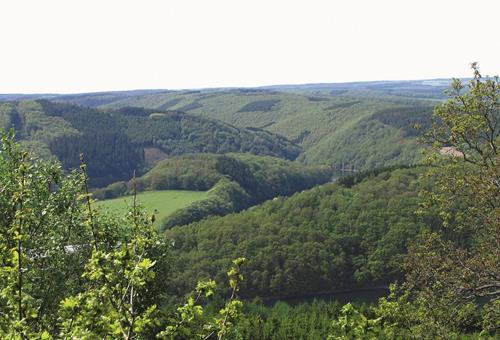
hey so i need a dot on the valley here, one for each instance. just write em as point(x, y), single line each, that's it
point(250, 170)
point(240, 174)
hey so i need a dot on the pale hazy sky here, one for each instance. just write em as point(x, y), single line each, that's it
point(86, 45)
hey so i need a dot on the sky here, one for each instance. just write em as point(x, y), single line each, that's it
point(69, 46)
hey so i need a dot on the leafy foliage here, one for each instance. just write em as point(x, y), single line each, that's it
point(69, 271)
point(114, 140)
point(39, 210)
point(283, 321)
point(178, 133)
point(326, 238)
point(366, 128)
point(454, 272)
point(236, 182)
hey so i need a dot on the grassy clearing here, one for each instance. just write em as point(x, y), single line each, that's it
point(164, 202)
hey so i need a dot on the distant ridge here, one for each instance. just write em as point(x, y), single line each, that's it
point(432, 82)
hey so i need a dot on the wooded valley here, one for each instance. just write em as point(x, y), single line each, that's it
point(309, 190)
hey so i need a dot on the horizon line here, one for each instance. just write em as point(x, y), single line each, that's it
point(229, 87)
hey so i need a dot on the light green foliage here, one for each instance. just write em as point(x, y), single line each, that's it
point(187, 172)
point(162, 203)
point(177, 133)
point(114, 140)
point(68, 271)
point(225, 197)
point(459, 265)
point(115, 280)
point(38, 209)
point(451, 286)
point(351, 324)
point(190, 322)
point(39, 126)
point(33, 126)
point(357, 130)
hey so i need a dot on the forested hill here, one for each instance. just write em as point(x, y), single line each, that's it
point(363, 125)
point(359, 125)
point(327, 238)
point(114, 141)
point(234, 182)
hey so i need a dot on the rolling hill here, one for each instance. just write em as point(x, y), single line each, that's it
point(354, 125)
point(358, 125)
point(342, 131)
point(234, 182)
point(330, 237)
point(114, 141)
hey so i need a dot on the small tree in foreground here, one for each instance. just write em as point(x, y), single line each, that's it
point(453, 274)
point(70, 271)
point(454, 270)
point(452, 282)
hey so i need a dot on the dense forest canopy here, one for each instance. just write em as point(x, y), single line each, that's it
point(351, 125)
point(359, 125)
point(351, 129)
point(113, 141)
point(71, 271)
point(235, 182)
point(327, 238)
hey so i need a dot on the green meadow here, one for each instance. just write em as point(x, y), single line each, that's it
point(164, 202)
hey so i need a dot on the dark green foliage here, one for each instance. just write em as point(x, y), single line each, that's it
point(10, 117)
point(317, 99)
point(113, 190)
point(267, 177)
point(260, 105)
point(113, 141)
point(323, 239)
point(169, 104)
point(188, 172)
point(362, 129)
point(225, 197)
point(368, 144)
point(110, 152)
point(282, 321)
point(111, 155)
point(342, 105)
point(407, 118)
point(237, 181)
point(136, 111)
point(370, 125)
point(253, 181)
point(177, 133)
point(65, 131)
point(190, 106)
point(357, 177)
point(38, 208)
point(68, 271)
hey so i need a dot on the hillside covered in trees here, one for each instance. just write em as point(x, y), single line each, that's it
point(431, 232)
point(360, 125)
point(235, 182)
point(353, 125)
point(328, 238)
point(113, 141)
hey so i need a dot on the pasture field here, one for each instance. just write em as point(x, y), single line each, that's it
point(164, 202)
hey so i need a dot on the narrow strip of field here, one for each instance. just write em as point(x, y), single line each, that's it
point(161, 202)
